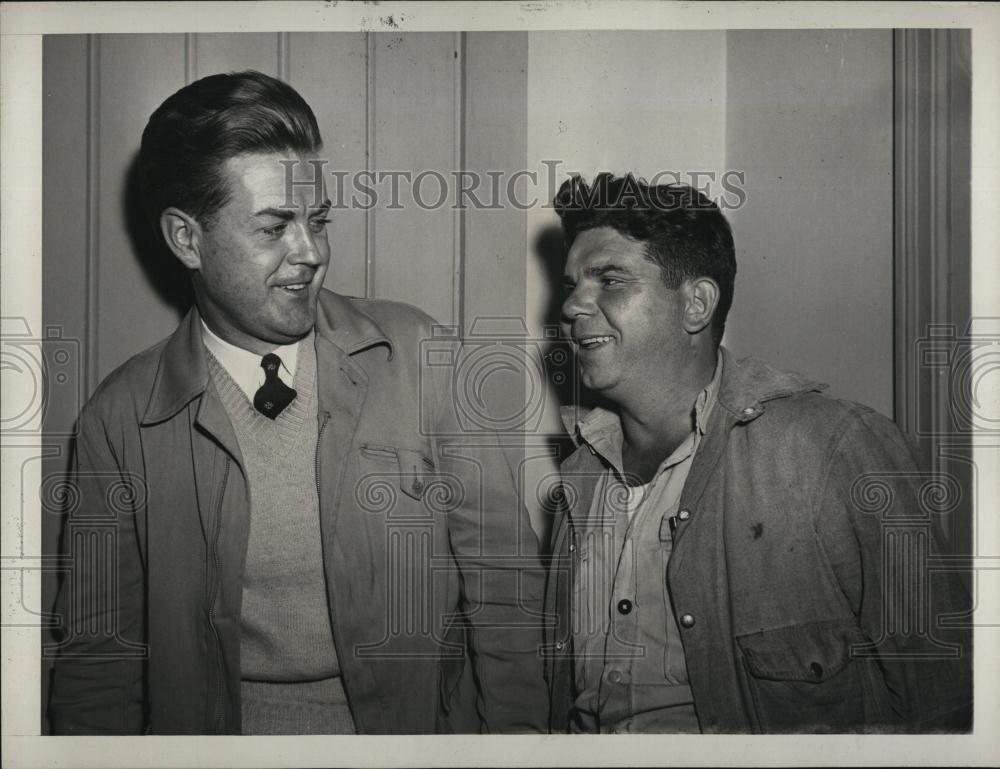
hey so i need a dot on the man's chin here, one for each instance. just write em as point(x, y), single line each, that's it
point(593, 379)
point(295, 325)
point(295, 334)
point(290, 333)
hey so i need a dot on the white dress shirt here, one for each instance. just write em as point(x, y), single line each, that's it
point(244, 366)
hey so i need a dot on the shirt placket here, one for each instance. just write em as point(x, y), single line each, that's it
point(622, 645)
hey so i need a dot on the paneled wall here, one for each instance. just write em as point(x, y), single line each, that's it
point(809, 121)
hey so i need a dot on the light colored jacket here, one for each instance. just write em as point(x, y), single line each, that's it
point(795, 530)
point(423, 539)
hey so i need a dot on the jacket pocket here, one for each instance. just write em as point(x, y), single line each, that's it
point(802, 678)
point(411, 471)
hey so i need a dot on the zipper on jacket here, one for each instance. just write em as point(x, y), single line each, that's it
point(219, 712)
point(319, 440)
point(319, 504)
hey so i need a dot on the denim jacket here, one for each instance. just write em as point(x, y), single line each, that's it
point(789, 573)
point(430, 561)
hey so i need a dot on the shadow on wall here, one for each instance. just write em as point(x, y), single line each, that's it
point(165, 274)
point(550, 249)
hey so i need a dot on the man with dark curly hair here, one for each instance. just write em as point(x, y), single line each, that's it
point(713, 569)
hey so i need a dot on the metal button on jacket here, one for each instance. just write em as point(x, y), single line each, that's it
point(615, 676)
point(687, 620)
point(684, 514)
point(624, 606)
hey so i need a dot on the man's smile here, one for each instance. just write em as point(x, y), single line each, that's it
point(593, 342)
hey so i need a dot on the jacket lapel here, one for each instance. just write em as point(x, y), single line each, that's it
point(182, 374)
point(181, 377)
point(226, 525)
point(580, 474)
point(342, 388)
point(704, 463)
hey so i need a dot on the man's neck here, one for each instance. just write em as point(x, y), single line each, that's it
point(660, 417)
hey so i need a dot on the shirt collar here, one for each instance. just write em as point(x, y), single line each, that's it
point(708, 397)
point(244, 366)
point(601, 428)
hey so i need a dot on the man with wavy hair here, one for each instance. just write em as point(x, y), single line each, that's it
point(713, 570)
point(313, 545)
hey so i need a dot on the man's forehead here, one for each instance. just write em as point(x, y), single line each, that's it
point(276, 180)
point(604, 246)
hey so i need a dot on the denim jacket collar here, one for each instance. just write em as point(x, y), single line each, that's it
point(183, 373)
point(747, 384)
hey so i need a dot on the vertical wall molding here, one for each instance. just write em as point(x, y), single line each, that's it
point(92, 271)
point(190, 58)
point(931, 227)
point(932, 245)
point(370, 162)
point(284, 56)
point(458, 212)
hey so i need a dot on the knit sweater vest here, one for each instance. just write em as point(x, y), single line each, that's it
point(286, 635)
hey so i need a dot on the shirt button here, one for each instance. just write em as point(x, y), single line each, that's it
point(687, 620)
point(624, 606)
point(684, 514)
point(615, 676)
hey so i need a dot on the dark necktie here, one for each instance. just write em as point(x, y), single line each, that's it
point(274, 395)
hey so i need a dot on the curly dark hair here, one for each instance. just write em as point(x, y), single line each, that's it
point(684, 232)
point(196, 130)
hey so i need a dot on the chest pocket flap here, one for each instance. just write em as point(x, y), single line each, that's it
point(415, 472)
point(814, 651)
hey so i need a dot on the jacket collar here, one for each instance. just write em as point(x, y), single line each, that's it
point(747, 384)
point(183, 372)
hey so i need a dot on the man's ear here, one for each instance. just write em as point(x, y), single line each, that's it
point(701, 297)
point(183, 235)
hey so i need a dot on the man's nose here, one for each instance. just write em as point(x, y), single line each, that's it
point(578, 302)
point(307, 248)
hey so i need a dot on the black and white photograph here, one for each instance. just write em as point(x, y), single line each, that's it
point(478, 377)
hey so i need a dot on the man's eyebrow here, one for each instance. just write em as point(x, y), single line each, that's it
point(290, 213)
point(602, 269)
point(278, 213)
point(598, 270)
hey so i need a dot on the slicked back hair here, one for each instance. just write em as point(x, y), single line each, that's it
point(189, 138)
point(684, 232)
